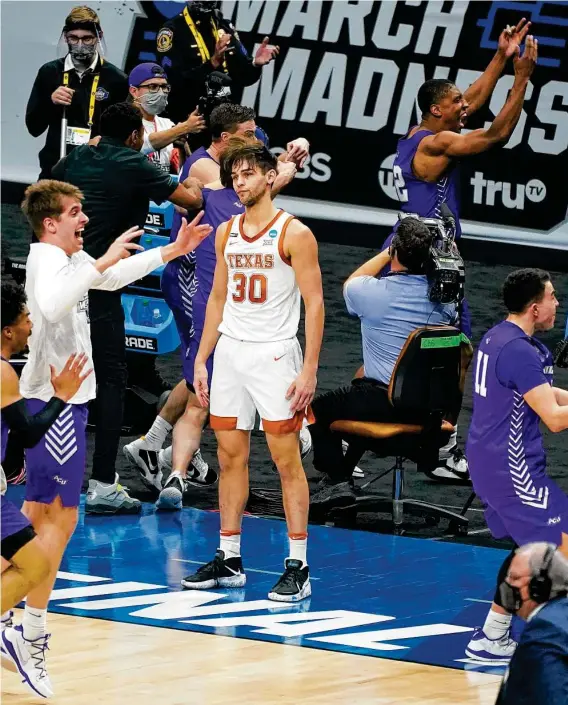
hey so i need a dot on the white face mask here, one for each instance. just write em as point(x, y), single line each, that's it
point(154, 103)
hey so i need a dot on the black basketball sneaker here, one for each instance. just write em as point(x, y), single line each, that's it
point(294, 585)
point(220, 572)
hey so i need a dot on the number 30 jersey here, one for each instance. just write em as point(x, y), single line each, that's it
point(423, 197)
point(504, 448)
point(263, 298)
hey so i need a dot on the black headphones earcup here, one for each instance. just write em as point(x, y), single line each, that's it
point(540, 587)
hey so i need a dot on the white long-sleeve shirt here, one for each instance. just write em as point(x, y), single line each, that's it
point(57, 287)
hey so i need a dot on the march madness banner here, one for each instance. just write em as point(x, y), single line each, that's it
point(347, 77)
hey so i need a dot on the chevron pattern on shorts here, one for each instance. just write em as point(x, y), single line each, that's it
point(61, 438)
point(187, 286)
point(522, 482)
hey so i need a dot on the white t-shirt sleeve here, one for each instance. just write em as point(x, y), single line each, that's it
point(161, 124)
point(129, 270)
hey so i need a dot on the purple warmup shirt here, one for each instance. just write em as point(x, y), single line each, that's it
point(504, 448)
point(422, 197)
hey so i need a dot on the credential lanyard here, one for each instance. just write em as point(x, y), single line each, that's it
point(92, 99)
point(201, 45)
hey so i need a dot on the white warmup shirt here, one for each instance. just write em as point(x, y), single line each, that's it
point(57, 287)
point(161, 157)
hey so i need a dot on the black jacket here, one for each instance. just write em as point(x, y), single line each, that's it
point(183, 63)
point(42, 113)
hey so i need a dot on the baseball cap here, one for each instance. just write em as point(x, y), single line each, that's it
point(145, 72)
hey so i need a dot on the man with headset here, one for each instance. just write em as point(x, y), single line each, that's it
point(80, 86)
point(535, 589)
point(389, 308)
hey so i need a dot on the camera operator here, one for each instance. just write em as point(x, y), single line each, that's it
point(80, 87)
point(389, 308)
point(535, 589)
point(198, 42)
point(118, 183)
point(149, 90)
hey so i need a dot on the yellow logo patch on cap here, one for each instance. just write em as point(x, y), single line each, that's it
point(165, 39)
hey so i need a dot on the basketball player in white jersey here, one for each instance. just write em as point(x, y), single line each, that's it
point(266, 261)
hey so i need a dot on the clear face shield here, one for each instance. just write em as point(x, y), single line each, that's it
point(82, 48)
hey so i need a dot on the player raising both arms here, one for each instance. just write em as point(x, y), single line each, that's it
point(266, 260)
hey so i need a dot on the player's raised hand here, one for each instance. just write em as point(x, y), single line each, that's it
point(191, 235)
point(512, 37)
point(298, 151)
point(524, 65)
point(201, 383)
point(301, 391)
point(265, 53)
point(120, 248)
point(66, 384)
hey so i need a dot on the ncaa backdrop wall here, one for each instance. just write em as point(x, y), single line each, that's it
point(347, 78)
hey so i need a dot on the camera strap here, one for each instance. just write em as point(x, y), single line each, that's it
point(201, 45)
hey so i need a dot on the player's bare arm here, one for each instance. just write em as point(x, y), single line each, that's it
point(561, 396)
point(448, 145)
point(301, 247)
point(205, 170)
point(543, 401)
point(213, 317)
point(188, 196)
point(508, 45)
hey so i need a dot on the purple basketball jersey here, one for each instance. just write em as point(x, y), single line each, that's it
point(504, 448)
point(422, 197)
point(200, 153)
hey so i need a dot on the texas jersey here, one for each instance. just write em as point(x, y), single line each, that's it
point(263, 298)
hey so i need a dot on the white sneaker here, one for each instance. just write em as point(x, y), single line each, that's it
point(171, 497)
point(483, 649)
point(29, 658)
point(6, 622)
point(305, 442)
point(145, 459)
point(199, 473)
point(110, 499)
point(357, 472)
point(165, 461)
point(453, 468)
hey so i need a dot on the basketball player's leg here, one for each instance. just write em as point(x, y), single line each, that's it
point(232, 418)
point(24, 562)
point(53, 491)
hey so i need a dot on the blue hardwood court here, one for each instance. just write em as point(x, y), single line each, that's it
point(414, 601)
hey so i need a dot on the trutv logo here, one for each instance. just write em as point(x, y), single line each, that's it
point(487, 191)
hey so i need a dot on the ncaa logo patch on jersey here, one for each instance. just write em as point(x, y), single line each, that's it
point(273, 233)
point(165, 39)
point(101, 94)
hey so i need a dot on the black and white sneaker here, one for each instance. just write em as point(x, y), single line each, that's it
point(453, 469)
point(294, 585)
point(145, 459)
point(220, 572)
point(199, 473)
point(171, 497)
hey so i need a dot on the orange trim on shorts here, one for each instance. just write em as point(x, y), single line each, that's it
point(264, 230)
point(310, 417)
point(278, 428)
point(223, 423)
point(283, 257)
point(227, 233)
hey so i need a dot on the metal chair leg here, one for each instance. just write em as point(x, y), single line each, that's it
point(398, 492)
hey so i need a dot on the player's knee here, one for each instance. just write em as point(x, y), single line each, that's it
point(289, 465)
point(32, 562)
point(231, 459)
point(196, 415)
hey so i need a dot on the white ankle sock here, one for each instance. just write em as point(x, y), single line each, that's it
point(497, 625)
point(34, 623)
point(157, 434)
point(299, 549)
point(230, 545)
point(167, 456)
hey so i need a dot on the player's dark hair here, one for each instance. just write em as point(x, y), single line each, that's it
point(411, 244)
point(252, 152)
point(234, 145)
point(432, 92)
point(13, 302)
point(227, 117)
point(524, 287)
point(120, 120)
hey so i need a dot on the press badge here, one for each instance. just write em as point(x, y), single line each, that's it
point(78, 135)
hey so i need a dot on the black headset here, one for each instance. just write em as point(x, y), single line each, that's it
point(540, 586)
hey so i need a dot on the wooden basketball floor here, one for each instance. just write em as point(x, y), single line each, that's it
point(387, 622)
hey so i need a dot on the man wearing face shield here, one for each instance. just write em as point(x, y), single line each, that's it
point(78, 88)
point(199, 41)
point(535, 589)
point(149, 90)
